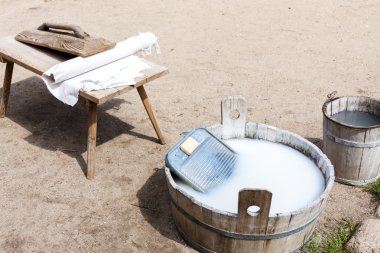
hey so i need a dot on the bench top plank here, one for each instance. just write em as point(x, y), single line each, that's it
point(33, 58)
point(101, 96)
point(39, 60)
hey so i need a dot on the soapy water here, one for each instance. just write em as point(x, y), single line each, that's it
point(355, 118)
point(294, 180)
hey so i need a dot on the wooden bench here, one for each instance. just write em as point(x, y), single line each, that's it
point(39, 60)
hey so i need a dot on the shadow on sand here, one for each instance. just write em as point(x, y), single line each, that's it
point(316, 141)
point(154, 204)
point(56, 126)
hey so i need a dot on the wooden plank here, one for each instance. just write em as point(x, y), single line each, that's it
point(272, 134)
point(326, 148)
point(335, 106)
point(363, 104)
point(324, 166)
point(6, 88)
point(102, 96)
point(374, 107)
point(305, 215)
point(328, 109)
point(204, 236)
point(149, 110)
point(195, 233)
point(372, 155)
point(223, 221)
point(275, 245)
point(261, 132)
point(278, 223)
point(185, 226)
point(33, 58)
point(216, 130)
point(293, 241)
point(354, 104)
point(234, 113)
point(251, 130)
point(197, 209)
point(343, 104)
point(296, 240)
point(370, 165)
point(91, 140)
point(198, 235)
point(171, 184)
point(248, 246)
point(284, 137)
point(185, 201)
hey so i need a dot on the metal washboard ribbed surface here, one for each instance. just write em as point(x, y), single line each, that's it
point(209, 165)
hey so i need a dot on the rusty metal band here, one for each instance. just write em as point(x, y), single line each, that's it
point(349, 143)
point(239, 235)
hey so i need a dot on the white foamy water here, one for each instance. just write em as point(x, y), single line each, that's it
point(293, 178)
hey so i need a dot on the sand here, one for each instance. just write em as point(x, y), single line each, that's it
point(284, 57)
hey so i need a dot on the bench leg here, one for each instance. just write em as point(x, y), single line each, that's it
point(6, 88)
point(149, 110)
point(91, 140)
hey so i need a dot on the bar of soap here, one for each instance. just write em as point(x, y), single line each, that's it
point(189, 145)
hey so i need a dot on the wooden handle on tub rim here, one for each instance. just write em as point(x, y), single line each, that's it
point(253, 222)
point(234, 113)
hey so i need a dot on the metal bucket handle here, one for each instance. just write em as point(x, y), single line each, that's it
point(234, 113)
point(257, 221)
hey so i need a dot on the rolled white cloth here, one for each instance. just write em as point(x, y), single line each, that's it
point(111, 68)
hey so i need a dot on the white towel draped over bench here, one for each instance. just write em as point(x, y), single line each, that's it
point(112, 68)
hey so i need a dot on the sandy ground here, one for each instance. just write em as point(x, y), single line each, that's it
point(283, 56)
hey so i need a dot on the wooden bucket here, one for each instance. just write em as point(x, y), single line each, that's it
point(211, 230)
point(353, 150)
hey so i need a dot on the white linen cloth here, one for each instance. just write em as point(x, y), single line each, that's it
point(112, 68)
